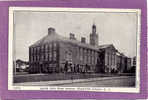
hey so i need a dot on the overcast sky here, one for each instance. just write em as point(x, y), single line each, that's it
point(118, 29)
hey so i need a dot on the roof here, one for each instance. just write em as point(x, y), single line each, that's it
point(56, 37)
point(107, 46)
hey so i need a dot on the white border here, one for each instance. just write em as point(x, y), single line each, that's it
point(97, 89)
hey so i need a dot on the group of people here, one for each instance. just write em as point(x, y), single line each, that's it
point(76, 68)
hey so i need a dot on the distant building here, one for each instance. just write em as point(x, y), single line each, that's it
point(133, 65)
point(134, 61)
point(20, 66)
point(55, 53)
point(127, 64)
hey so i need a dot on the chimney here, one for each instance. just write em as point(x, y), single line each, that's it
point(51, 31)
point(72, 36)
point(83, 40)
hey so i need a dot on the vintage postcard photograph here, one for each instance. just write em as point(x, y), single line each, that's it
point(74, 49)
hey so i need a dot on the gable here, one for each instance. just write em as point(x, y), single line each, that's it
point(107, 47)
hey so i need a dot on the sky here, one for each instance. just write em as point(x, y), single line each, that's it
point(118, 29)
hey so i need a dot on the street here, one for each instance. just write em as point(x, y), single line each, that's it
point(118, 81)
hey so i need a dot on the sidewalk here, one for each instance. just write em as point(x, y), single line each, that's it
point(60, 82)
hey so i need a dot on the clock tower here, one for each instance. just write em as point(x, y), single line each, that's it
point(94, 36)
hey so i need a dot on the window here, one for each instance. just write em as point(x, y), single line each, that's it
point(78, 53)
point(50, 47)
point(31, 58)
point(46, 47)
point(90, 59)
point(38, 50)
point(35, 58)
point(50, 55)
point(54, 55)
point(115, 58)
point(68, 55)
point(38, 58)
point(81, 58)
point(35, 50)
point(107, 58)
point(32, 51)
point(88, 56)
point(46, 57)
point(95, 57)
point(42, 57)
point(54, 46)
point(111, 59)
point(42, 48)
point(84, 55)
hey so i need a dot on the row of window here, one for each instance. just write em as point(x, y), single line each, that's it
point(43, 48)
point(88, 52)
point(87, 56)
point(51, 56)
point(89, 60)
point(45, 65)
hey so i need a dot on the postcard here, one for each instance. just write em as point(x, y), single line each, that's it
point(73, 49)
point(80, 49)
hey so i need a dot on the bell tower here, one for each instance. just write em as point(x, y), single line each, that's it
point(94, 36)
